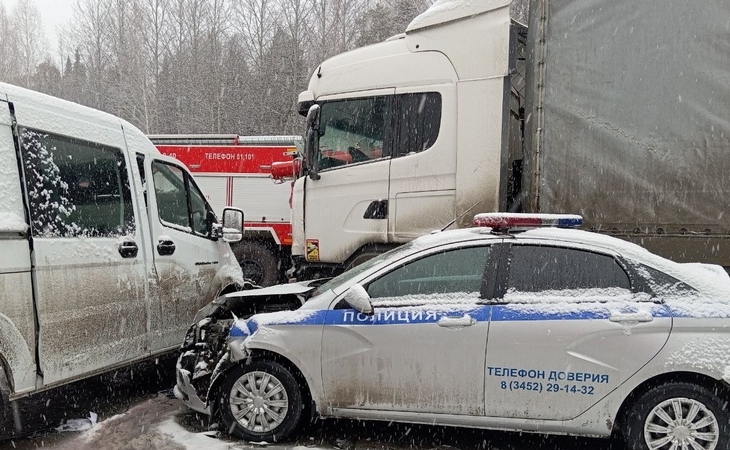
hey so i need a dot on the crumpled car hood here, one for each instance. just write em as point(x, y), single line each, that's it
point(228, 302)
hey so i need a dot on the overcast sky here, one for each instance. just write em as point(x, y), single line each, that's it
point(55, 14)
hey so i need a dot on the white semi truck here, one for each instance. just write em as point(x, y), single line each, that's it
point(617, 111)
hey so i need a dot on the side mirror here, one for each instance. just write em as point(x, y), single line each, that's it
point(232, 224)
point(358, 298)
point(312, 141)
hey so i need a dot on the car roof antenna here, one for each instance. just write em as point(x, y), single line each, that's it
point(461, 215)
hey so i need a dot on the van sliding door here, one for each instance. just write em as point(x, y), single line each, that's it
point(90, 279)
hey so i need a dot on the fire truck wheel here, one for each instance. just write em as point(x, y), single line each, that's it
point(259, 263)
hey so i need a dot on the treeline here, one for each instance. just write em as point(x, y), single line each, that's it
point(193, 66)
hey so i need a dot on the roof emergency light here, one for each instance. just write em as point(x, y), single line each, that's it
point(507, 221)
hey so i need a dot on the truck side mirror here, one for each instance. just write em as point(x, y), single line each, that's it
point(312, 142)
point(232, 224)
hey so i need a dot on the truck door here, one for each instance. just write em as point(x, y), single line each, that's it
point(90, 280)
point(186, 257)
point(347, 206)
point(559, 334)
point(423, 165)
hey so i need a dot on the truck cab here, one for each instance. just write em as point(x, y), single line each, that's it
point(385, 122)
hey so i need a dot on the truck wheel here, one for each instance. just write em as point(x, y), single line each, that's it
point(677, 415)
point(258, 262)
point(260, 401)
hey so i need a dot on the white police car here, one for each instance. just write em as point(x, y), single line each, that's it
point(547, 330)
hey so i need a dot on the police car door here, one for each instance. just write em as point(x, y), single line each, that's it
point(423, 349)
point(566, 329)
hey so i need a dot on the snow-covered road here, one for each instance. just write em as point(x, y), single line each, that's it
point(134, 412)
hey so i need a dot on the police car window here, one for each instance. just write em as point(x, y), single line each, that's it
point(75, 187)
point(663, 284)
point(430, 279)
point(541, 268)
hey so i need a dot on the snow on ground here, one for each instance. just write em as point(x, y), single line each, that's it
point(158, 423)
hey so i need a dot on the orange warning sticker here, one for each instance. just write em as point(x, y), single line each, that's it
point(312, 250)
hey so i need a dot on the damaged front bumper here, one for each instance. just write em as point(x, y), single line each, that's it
point(185, 391)
point(205, 350)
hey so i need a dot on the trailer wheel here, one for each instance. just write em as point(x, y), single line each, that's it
point(259, 263)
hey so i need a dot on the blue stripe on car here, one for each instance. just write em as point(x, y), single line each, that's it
point(424, 315)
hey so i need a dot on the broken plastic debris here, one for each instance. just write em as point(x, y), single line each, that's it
point(79, 424)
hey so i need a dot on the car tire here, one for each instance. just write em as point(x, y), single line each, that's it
point(258, 262)
point(253, 415)
point(677, 413)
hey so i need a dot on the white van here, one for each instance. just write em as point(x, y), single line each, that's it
point(107, 247)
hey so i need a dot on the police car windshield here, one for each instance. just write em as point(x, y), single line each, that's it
point(357, 270)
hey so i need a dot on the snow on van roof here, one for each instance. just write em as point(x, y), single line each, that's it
point(68, 108)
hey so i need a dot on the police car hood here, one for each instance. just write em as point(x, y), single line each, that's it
point(272, 294)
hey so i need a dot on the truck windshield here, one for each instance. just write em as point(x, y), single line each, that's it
point(351, 131)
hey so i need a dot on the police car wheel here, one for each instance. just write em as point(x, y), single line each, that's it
point(677, 416)
point(260, 401)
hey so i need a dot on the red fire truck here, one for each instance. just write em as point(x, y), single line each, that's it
point(235, 170)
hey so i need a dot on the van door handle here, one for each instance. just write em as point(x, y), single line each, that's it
point(128, 249)
point(165, 247)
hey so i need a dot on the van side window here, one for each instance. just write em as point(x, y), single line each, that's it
point(75, 187)
point(180, 204)
point(419, 120)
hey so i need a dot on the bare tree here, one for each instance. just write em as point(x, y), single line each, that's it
point(28, 29)
point(195, 66)
point(256, 27)
point(93, 22)
point(337, 24)
point(153, 24)
point(8, 47)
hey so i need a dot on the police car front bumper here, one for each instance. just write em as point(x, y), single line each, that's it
point(185, 391)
